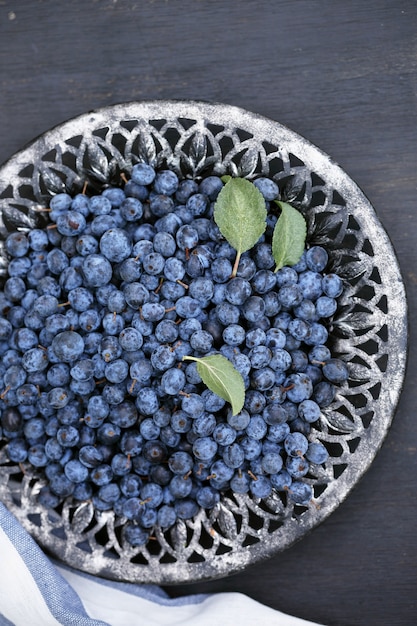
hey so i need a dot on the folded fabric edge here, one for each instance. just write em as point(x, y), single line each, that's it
point(47, 594)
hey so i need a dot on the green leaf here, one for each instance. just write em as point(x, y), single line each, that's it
point(222, 378)
point(288, 240)
point(240, 213)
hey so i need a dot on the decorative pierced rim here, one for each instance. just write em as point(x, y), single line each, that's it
point(369, 330)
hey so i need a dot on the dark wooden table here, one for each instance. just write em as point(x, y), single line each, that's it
point(343, 74)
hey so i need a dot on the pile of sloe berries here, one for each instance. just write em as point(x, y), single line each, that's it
point(97, 312)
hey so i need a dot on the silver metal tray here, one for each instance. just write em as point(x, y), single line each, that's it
point(369, 330)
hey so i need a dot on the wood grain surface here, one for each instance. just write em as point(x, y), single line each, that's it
point(344, 75)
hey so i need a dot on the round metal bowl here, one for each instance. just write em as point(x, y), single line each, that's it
point(369, 330)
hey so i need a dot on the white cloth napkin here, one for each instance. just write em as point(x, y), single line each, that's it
point(35, 591)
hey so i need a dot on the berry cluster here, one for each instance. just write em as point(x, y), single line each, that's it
point(98, 311)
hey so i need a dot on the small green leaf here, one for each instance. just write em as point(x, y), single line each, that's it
point(225, 178)
point(288, 240)
point(222, 378)
point(240, 213)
